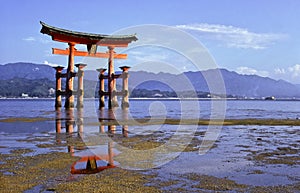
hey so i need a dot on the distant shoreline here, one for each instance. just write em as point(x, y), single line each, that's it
point(164, 99)
point(170, 121)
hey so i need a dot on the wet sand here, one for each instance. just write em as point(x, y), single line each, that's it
point(245, 158)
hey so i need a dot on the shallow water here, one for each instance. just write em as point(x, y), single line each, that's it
point(232, 156)
point(234, 109)
point(250, 155)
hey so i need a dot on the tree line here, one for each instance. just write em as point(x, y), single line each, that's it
point(45, 88)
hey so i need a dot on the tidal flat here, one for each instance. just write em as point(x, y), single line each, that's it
point(244, 158)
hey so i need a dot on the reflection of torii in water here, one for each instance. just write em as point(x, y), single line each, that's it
point(94, 162)
point(91, 163)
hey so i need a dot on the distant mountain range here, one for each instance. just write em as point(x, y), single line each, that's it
point(235, 84)
point(27, 71)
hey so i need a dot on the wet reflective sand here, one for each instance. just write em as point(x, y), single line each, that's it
point(72, 153)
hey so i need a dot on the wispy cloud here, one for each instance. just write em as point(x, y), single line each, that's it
point(291, 71)
point(234, 36)
point(30, 39)
point(49, 63)
point(295, 70)
point(279, 71)
point(251, 71)
point(38, 39)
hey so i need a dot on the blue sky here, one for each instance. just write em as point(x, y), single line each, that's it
point(250, 37)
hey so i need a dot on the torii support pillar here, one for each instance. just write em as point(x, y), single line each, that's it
point(80, 90)
point(125, 75)
point(101, 88)
point(58, 90)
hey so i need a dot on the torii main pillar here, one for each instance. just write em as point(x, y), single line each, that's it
point(69, 103)
point(112, 98)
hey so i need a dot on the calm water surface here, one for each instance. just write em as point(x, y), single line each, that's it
point(234, 109)
point(229, 158)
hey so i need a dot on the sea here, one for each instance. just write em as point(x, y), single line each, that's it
point(169, 108)
point(223, 152)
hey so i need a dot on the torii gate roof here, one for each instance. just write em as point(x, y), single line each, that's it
point(64, 35)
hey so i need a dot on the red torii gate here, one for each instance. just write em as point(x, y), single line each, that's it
point(91, 41)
